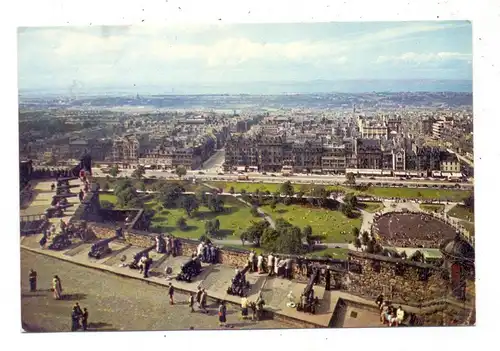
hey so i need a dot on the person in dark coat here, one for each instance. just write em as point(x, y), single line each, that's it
point(32, 279)
point(222, 313)
point(327, 280)
point(147, 266)
point(213, 254)
point(43, 240)
point(203, 301)
point(85, 318)
point(191, 301)
point(75, 319)
point(171, 293)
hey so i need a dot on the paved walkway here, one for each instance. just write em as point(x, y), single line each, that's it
point(215, 278)
point(114, 302)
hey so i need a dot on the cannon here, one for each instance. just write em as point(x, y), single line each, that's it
point(239, 284)
point(135, 260)
point(308, 301)
point(189, 270)
point(60, 242)
point(65, 181)
point(101, 248)
point(56, 211)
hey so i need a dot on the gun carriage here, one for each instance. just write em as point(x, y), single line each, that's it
point(101, 248)
point(239, 284)
point(56, 211)
point(137, 257)
point(60, 242)
point(189, 270)
point(308, 301)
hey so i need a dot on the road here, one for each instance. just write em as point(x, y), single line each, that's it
point(114, 303)
point(214, 163)
point(305, 179)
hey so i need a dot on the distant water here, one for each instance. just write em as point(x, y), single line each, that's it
point(270, 88)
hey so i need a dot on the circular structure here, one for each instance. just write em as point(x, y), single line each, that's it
point(407, 229)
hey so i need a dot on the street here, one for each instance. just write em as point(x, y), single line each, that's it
point(302, 178)
point(114, 303)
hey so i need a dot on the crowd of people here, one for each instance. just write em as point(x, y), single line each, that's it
point(207, 252)
point(79, 318)
point(390, 315)
point(272, 265)
point(412, 230)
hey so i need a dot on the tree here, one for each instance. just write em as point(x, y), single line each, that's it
point(287, 189)
point(365, 237)
point(139, 172)
point(169, 195)
point(243, 191)
point(231, 190)
point(215, 204)
point(254, 211)
point(255, 231)
point(355, 232)
point(181, 223)
point(320, 194)
point(347, 209)
point(350, 178)
point(126, 194)
point(105, 186)
point(469, 202)
point(189, 204)
point(142, 186)
point(180, 171)
point(209, 228)
point(307, 232)
point(269, 238)
point(287, 201)
point(273, 205)
point(216, 224)
point(351, 199)
point(114, 171)
point(202, 197)
point(357, 243)
point(300, 194)
point(290, 241)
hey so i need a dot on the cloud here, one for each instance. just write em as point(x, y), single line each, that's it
point(418, 58)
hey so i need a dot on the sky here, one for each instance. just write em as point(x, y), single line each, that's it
point(140, 56)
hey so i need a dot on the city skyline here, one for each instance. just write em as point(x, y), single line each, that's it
point(171, 57)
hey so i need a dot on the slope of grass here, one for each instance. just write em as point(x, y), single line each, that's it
point(432, 207)
point(371, 206)
point(462, 212)
point(331, 226)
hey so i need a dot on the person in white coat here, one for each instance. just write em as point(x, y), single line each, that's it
point(260, 263)
point(270, 264)
point(276, 265)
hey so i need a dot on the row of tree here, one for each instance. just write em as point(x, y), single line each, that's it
point(285, 238)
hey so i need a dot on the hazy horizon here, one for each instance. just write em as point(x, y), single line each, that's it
point(189, 58)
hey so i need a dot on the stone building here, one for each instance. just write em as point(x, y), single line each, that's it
point(126, 149)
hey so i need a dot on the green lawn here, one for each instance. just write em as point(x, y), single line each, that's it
point(432, 207)
point(325, 223)
point(233, 220)
point(469, 226)
point(383, 192)
point(108, 197)
point(462, 212)
point(371, 206)
point(334, 253)
point(150, 184)
point(425, 194)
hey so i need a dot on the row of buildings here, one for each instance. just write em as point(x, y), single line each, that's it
point(367, 143)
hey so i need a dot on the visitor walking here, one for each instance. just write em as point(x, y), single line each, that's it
point(32, 280)
point(270, 264)
point(85, 318)
point(57, 287)
point(147, 265)
point(222, 314)
point(244, 307)
point(171, 293)
point(191, 301)
point(203, 301)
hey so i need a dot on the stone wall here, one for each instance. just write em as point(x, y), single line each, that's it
point(101, 230)
point(400, 281)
